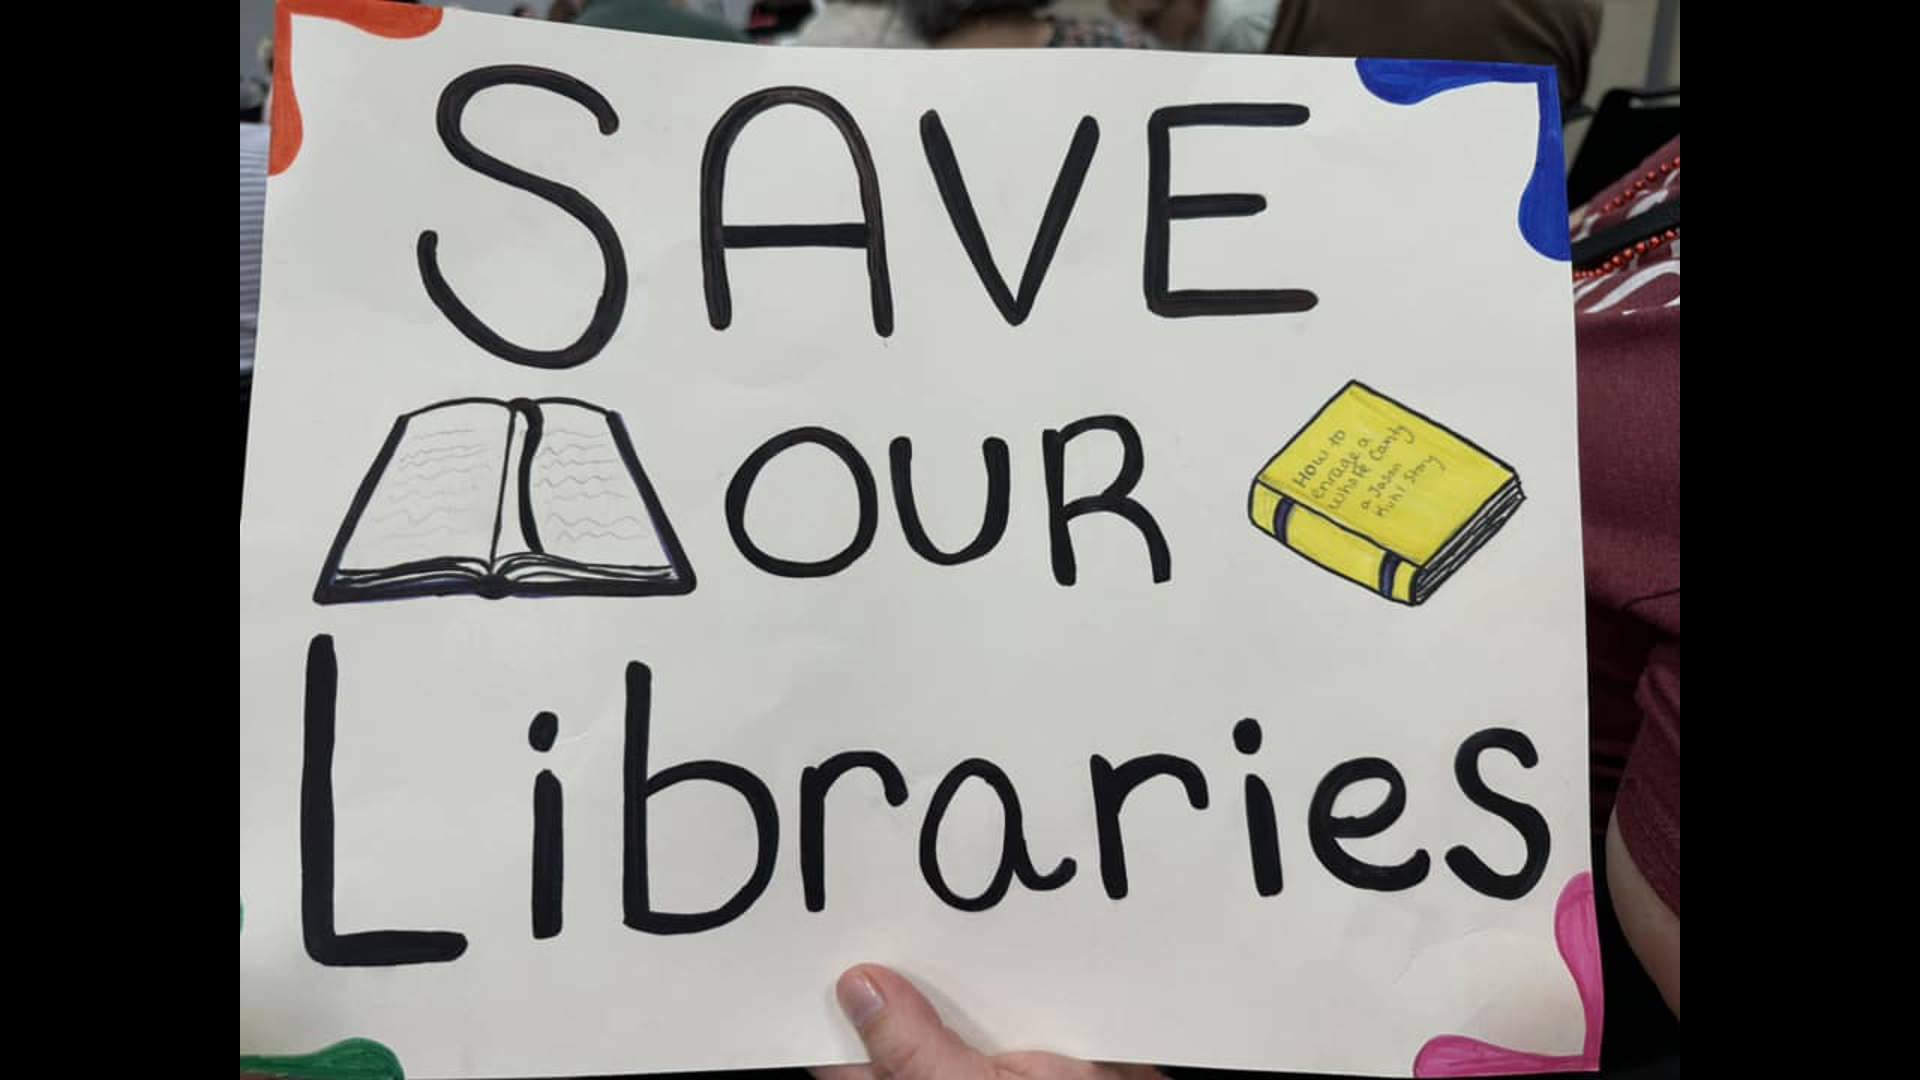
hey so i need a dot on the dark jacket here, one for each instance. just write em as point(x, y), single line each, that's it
point(655, 17)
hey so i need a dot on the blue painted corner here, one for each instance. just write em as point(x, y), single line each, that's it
point(1543, 205)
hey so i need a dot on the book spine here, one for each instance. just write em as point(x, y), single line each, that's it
point(1340, 550)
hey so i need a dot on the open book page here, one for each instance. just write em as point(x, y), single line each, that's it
point(511, 539)
point(437, 495)
point(585, 501)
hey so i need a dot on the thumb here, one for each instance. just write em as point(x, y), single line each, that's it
point(901, 1030)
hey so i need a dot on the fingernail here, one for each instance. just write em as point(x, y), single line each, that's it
point(859, 998)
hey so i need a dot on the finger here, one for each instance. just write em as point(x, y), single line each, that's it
point(1041, 1065)
point(901, 1029)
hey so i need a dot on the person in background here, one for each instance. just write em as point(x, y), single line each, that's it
point(254, 142)
point(1235, 26)
point(963, 24)
point(563, 11)
point(265, 52)
point(1626, 320)
point(860, 24)
point(1555, 33)
point(655, 17)
point(1004, 24)
point(523, 12)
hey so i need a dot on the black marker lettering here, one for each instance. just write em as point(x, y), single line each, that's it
point(1163, 209)
point(814, 785)
point(1326, 831)
point(1263, 837)
point(1115, 499)
point(742, 486)
point(966, 223)
point(1525, 820)
point(716, 236)
point(992, 526)
point(549, 837)
point(639, 787)
point(371, 948)
point(1014, 859)
point(1111, 787)
point(613, 293)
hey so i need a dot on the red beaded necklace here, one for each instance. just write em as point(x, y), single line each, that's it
point(1639, 185)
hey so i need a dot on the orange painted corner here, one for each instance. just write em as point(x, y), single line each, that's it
point(373, 16)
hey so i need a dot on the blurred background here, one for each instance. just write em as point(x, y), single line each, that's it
point(1636, 48)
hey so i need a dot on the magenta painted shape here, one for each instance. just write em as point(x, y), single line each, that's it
point(1576, 931)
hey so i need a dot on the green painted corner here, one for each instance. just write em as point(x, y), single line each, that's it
point(353, 1059)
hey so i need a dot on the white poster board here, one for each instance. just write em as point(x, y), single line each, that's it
point(559, 482)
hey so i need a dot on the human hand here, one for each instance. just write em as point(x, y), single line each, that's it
point(905, 1040)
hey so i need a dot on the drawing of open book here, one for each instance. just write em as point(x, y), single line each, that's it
point(505, 498)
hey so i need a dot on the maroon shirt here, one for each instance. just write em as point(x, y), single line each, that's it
point(1627, 328)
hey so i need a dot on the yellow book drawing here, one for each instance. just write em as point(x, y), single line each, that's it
point(1382, 495)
